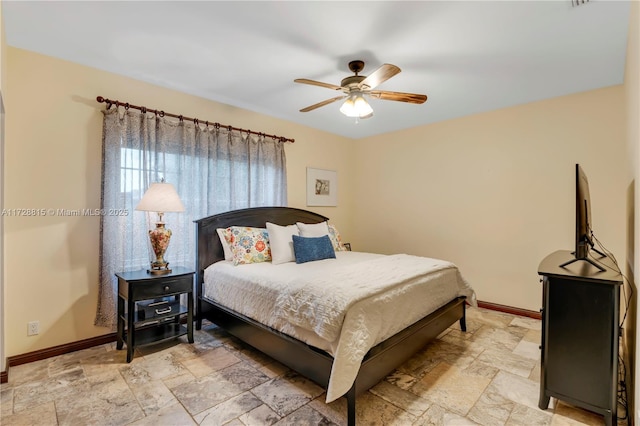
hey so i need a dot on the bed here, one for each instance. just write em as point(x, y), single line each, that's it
point(317, 351)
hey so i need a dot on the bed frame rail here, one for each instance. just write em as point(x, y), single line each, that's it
point(380, 361)
point(306, 360)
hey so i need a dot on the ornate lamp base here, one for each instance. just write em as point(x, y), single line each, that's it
point(159, 238)
point(159, 271)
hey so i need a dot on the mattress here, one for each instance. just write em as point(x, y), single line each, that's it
point(344, 306)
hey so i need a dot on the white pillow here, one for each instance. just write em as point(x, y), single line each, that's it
point(313, 229)
point(228, 254)
point(281, 242)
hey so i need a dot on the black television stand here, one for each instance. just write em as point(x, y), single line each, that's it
point(580, 334)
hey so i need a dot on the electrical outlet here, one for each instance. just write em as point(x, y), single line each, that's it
point(33, 328)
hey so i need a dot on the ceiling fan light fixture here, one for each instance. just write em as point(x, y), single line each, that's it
point(356, 106)
point(348, 107)
point(355, 87)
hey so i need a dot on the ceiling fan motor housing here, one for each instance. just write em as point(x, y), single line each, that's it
point(352, 81)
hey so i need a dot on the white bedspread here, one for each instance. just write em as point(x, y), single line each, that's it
point(319, 302)
point(345, 305)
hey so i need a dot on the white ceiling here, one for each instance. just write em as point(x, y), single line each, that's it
point(467, 56)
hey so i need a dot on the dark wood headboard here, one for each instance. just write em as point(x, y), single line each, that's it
point(208, 246)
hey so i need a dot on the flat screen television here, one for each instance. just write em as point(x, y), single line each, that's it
point(583, 234)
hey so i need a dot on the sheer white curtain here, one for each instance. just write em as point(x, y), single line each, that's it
point(213, 169)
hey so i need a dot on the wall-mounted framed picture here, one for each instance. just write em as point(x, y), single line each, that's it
point(322, 187)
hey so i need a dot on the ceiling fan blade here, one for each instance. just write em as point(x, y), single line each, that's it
point(412, 98)
point(321, 104)
point(379, 76)
point(317, 83)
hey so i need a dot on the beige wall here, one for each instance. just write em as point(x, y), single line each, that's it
point(632, 92)
point(494, 192)
point(54, 155)
point(3, 49)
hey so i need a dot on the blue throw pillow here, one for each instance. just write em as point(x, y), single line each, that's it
point(308, 249)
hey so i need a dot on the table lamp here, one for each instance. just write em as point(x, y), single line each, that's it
point(161, 197)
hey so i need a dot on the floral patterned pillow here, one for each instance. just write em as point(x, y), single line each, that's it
point(248, 245)
point(334, 235)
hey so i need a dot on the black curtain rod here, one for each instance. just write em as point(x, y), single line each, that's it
point(144, 109)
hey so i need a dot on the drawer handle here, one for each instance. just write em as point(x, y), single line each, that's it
point(166, 288)
point(163, 311)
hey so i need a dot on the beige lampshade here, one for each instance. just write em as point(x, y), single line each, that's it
point(160, 197)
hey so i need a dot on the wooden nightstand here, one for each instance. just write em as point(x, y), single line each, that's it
point(156, 315)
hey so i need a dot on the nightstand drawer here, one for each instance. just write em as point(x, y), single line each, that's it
point(162, 287)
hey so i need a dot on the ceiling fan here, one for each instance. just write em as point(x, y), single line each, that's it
point(355, 87)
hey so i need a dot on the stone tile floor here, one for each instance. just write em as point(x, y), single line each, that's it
point(486, 376)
